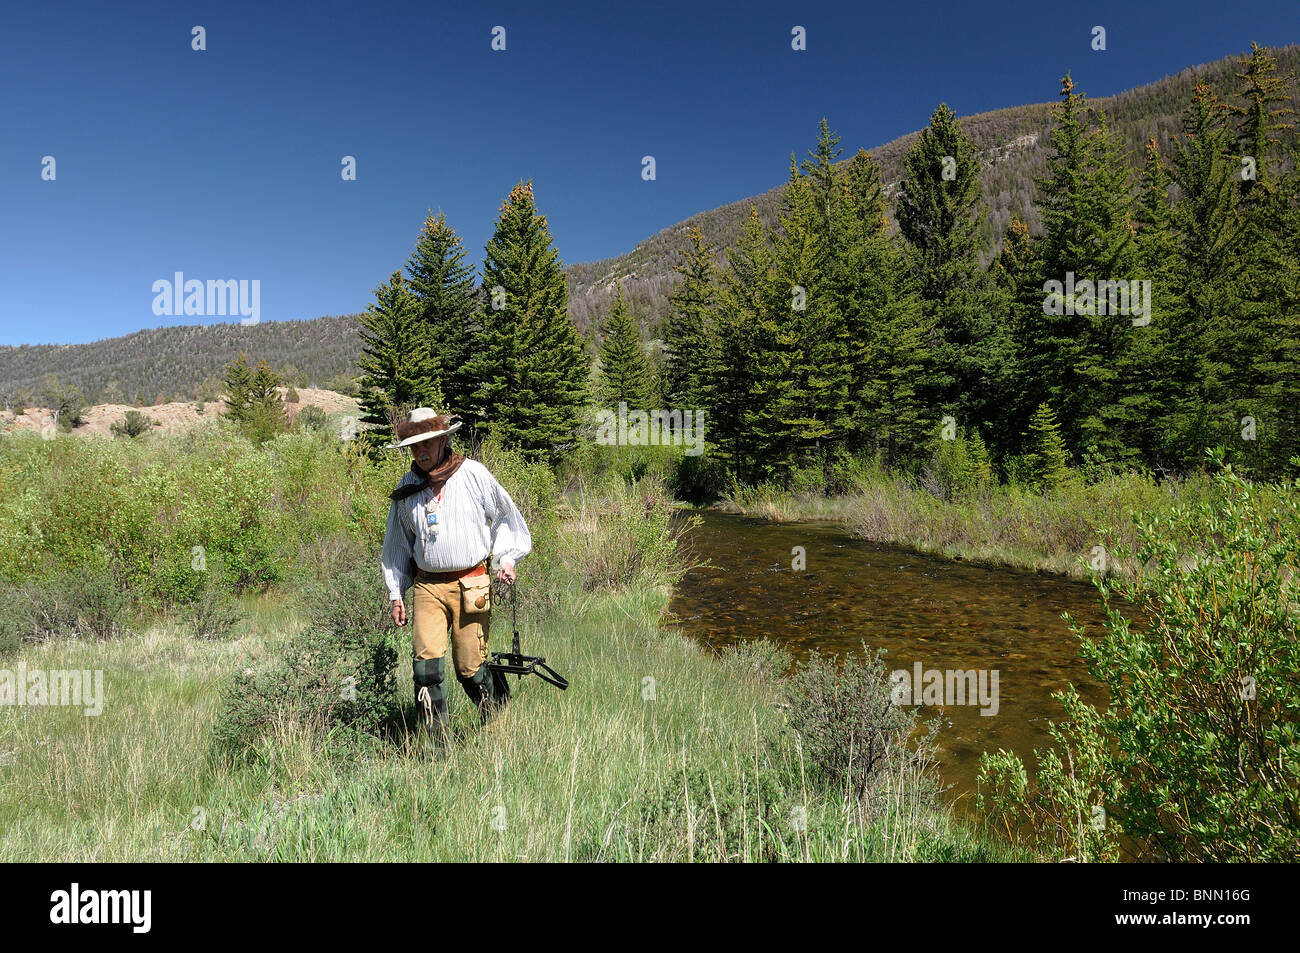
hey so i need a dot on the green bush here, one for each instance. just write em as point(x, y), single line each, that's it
point(214, 613)
point(850, 729)
point(339, 673)
point(623, 535)
point(311, 418)
point(90, 604)
point(959, 468)
point(698, 479)
point(132, 425)
point(1196, 757)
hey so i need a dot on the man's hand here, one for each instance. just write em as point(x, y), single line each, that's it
point(506, 574)
point(399, 612)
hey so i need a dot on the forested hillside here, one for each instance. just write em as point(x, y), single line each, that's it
point(181, 362)
point(1012, 145)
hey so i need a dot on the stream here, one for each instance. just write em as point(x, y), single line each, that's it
point(942, 614)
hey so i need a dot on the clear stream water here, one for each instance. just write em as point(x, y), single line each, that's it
point(927, 609)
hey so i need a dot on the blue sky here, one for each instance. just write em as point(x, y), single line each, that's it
point(225, 164)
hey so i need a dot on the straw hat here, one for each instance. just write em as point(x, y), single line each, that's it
point(422, 424)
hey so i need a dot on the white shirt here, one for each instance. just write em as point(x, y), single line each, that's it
point(476, 518)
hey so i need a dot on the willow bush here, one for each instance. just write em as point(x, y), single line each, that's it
point(1197, 755)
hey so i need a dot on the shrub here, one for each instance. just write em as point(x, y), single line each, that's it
point(340, 672)
point(214, 613)
point(312, 417)
point(698, 479)
point(1197, 755)
point(624, 536)
point(90, 603)
point(132, 425)
point(850, 728)
point(959, 468)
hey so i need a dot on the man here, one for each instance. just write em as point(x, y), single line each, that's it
point(448, 516)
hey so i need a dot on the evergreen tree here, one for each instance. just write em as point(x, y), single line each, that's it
point(940, 216)
point(442, 286)
point(890, 361)
point(810, 359)
point(1267, 104)
point(264, 415)
point(1208, 345)
point(625, 373)
point(737, 399)
point(398, 371)
point(529, 367)
point(1071, 350)
point(1045, 460)
point(237, 386)
point(687, 330)
point(1278, 363)
point(938, 207)
point(1149, 400)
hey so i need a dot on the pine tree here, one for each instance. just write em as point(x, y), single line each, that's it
point(1208, 346)
point(939, 207)
point(940, 216)
point(811, 354)
point(1070, 351)
point(237, 386)
point(1278, 364)
point(625, 373)
point(1262, 330)
point(1149, 399)
point(737, 399)
point(398, 370)
point(529, 367)
point(1046, 458)
point(687, 330)
point(1016, 274)
point(442, 286)
point(1267, 104)
point(890, 361)
point(264, 416)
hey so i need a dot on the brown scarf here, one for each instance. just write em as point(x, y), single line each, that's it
point(433, 480)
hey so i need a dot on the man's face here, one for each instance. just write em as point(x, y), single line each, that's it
point(427, 453)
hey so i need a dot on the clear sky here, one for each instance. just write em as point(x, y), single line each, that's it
point(225, 163)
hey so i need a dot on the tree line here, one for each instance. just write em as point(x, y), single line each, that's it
point(842, 329)
point(830, 332)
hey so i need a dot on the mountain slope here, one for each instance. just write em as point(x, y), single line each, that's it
point(176, 360)
point(1013, 145)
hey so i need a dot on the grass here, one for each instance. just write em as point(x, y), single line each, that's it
point(1001, 526)
point(700, 768)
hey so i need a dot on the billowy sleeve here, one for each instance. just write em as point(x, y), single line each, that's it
point(511, 540)
point(396, 558)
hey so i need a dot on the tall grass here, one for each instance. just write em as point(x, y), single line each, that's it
point(1004, 524)
point(699, 768)
point(659, 751)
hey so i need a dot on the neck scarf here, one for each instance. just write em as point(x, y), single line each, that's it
point(434, 479)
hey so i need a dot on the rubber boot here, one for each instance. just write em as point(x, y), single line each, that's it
point(488, 690)
point(431, 700)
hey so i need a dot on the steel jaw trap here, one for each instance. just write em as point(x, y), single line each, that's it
point(516, 663)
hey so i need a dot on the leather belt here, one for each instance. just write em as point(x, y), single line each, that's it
point(451, 575)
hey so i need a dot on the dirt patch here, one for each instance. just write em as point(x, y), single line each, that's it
point(174, 417)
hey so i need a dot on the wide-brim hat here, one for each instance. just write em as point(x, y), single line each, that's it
point(422, 423)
